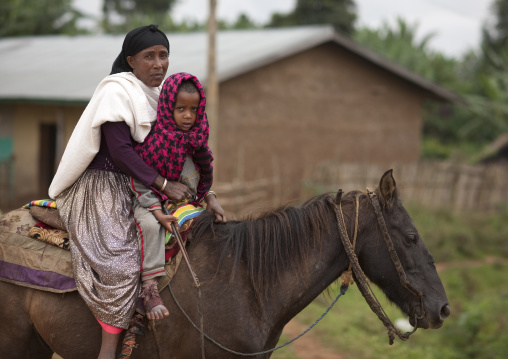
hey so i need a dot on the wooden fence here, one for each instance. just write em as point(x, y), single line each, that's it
point(433, 184)
point(239, 198)
point(429, 183)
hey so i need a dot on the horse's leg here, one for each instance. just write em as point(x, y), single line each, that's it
point(38, 348)
point(16, 327)
point(66, 324)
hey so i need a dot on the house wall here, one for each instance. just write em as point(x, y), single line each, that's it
point(321, 104)
point(26, 121)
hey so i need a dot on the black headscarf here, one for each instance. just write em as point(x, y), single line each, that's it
point(135, 41)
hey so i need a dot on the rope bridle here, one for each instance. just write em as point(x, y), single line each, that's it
point(354, 267)
point(361, 279)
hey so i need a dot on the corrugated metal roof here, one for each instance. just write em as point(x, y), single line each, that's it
point(65, 68)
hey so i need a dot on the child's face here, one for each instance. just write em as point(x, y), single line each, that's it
point(186, 107)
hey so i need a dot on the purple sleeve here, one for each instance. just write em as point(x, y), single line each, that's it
point(121, 149)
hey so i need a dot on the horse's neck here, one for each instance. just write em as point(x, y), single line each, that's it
point(296, 291)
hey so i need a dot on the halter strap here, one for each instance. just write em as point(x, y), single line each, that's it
point(361, 278)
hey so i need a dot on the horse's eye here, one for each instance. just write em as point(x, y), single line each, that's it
point(412, 238)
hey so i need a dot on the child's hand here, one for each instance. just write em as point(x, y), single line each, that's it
point(212, 205)
point(165, 219)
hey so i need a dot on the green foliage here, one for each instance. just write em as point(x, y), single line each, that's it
point(464, 152)
point(495, 32)
point(339, 13)
point(132, 13)
point(166, 23)
point(38, 17)
point(434, 149)
point(448, 126)
point(490, 108)
point(243, 22)
point(400, 45)
point(453, 235)
point(484, 78)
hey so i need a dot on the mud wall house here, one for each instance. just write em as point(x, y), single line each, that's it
point(289, 99)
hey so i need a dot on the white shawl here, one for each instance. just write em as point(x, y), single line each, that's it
point(119, 97)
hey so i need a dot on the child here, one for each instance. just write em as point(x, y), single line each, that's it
point(177, 147)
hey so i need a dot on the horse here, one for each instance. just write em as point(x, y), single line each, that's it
point(255, 275)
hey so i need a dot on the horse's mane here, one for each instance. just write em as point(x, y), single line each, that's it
point(276, 240)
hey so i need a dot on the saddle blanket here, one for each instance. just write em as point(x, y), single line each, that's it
point(29, 262)
point(37, 264)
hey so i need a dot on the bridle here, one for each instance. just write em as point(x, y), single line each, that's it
point(361, 279)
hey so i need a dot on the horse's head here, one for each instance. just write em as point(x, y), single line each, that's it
point(416, 263)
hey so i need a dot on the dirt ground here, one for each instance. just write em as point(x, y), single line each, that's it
point(308, 346)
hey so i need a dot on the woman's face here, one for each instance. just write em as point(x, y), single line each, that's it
point(150, 65)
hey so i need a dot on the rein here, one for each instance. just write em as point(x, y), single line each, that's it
point(363, 284)
point(343, 289)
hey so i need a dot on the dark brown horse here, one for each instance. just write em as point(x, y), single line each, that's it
point(256, 275)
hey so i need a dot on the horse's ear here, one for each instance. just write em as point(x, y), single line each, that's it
point(387, 189)
point(338, 197)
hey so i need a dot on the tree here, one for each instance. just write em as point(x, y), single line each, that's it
point(495, 32)
point(243, 22)
point(38, 17)
point(445, 126)
point(400, 44)
point(339, 13)
point(133, 13)
point(488, 99)
point(490, 110)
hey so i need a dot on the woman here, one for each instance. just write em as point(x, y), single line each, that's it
point(91, 186)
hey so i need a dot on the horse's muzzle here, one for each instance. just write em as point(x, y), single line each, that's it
point(433, 320)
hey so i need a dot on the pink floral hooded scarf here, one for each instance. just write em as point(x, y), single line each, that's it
point(167, 146)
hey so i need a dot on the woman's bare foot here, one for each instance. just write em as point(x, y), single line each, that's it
point(154, 307)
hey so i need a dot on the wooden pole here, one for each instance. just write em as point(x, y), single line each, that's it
point(212, 85)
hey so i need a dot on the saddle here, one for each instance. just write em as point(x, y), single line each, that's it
point(29, 262)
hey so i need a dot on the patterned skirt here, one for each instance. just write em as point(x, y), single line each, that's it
point(104, 246)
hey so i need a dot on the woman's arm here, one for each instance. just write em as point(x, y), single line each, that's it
point(121, 150)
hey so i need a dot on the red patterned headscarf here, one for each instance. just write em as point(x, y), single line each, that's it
point(167, 146)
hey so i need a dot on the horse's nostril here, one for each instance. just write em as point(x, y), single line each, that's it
point(445, 311)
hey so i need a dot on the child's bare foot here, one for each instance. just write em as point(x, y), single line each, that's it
point(157, 312)
point(154, 307)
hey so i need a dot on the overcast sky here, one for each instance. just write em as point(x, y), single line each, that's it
point(456, 23)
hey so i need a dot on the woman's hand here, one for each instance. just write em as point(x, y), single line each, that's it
point(175, 191)
point(212, 205)
point(165, 219)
